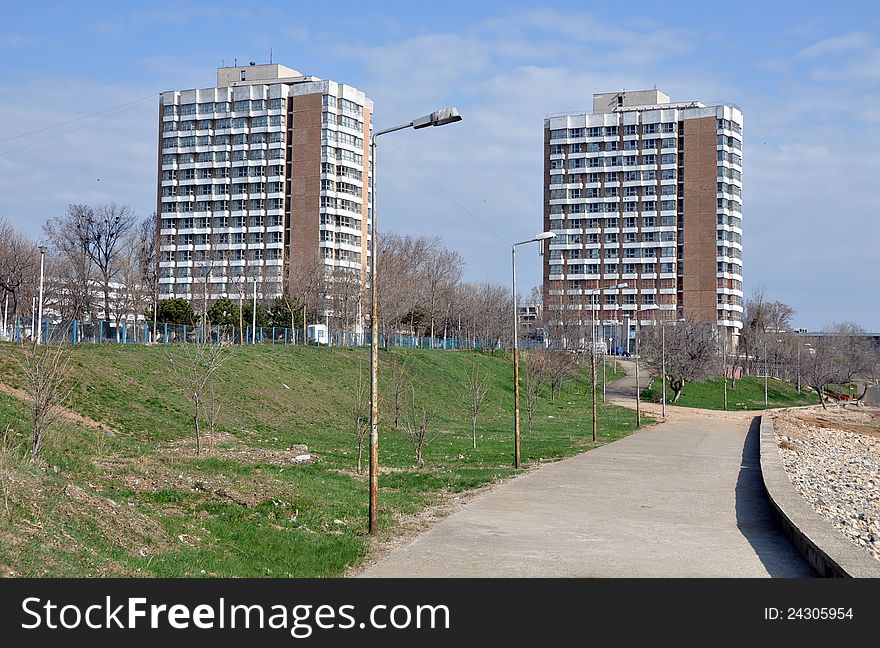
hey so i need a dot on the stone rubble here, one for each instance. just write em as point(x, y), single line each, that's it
point(833, 459)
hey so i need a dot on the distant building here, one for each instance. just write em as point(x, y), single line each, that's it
point(646, 192)
point(530, 319)
point(258, 177)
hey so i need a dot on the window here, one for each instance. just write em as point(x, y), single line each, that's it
point(630, 129)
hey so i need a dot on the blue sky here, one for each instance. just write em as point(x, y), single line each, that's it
point(806, 75)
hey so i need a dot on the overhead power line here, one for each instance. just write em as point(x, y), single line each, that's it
point(95, 117)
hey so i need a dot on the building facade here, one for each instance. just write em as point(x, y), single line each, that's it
point(260, 177)
point(646, 193)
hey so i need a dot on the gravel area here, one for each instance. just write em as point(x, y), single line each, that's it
point(833, 459)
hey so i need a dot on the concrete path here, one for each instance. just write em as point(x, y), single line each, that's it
point(682, 498)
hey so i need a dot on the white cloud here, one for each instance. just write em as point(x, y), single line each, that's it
point(852, 41)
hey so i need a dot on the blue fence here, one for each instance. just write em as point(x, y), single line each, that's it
point(75, 332)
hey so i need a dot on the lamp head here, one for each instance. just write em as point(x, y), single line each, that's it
point(438, 118)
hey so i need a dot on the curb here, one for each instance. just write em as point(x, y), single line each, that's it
point(823, 546)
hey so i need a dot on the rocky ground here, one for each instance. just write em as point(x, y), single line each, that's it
point(833, 459)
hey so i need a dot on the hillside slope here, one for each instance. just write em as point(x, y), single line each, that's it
point(119, 489)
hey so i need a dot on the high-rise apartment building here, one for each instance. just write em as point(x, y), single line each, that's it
point(645, 192)
point(259, 176)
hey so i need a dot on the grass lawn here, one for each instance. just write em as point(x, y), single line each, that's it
point(130, 497)
point(747, 395)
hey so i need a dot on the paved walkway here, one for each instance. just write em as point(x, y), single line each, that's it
point(682, 498)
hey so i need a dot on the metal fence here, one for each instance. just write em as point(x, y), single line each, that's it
point(75, 332)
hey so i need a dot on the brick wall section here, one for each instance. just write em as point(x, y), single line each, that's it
point(700, 188)
point(305, 179)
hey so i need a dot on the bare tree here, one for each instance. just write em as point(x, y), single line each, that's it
point(195, 366)
point(19, 264)
point(560, 366)
point(442, 271)
point(477, 387)
point(416, 428)
point(308, 281)
point(92, 238)
point(691, 352)
point(763, 319)
point(359, 413)
point(399, 382)
point(837, 356)
point(536, 376)
point(147, 246)
point(46, 369)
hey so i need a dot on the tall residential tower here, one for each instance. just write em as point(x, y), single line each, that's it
point(259, 177)
point(645, 192)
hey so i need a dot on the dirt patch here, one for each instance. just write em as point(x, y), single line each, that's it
point(167, 474)
point(223, 445)
point(120, 524)
point(66, 414)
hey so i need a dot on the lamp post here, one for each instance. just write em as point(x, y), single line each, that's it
point(766, 372)
point(540, 238)
point(254, 316)
point(436, 118)
point(592, 292)
point(638, 386)
point(40, 314)
point(651, 307)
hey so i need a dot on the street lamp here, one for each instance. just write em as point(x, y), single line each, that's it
point(437, 118)
point(40, 315)
point(591, 292)
point(638, 387)
point(540, 238)
point(655, 307)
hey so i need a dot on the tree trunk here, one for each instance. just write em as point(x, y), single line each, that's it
point(107, 302)
point(821, 398)
point(196, 418)
point(474, 430)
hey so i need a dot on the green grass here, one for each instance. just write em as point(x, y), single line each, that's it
point(150, 507)
point(748, 394)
